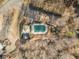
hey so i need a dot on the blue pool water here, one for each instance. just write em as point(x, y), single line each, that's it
point(39, 28)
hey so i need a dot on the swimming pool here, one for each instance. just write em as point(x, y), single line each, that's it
point(39, 28)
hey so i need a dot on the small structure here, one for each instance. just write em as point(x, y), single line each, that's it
point(39, 28)
point(25, 32)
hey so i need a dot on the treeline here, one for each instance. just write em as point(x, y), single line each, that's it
point(56, 6)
